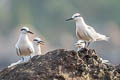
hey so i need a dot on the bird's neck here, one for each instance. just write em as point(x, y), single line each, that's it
point(37, 49)
point(80, 21)
point(23, 37)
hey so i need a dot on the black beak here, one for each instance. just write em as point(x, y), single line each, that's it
point(41, 42)
point(30, 32)
point(69, 19)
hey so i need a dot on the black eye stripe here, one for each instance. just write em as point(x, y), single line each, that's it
point(23, 29)
point(35, 40)
point(77, 16)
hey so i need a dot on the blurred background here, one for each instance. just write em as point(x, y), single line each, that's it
point(47, 18)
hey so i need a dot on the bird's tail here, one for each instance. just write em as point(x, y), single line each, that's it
point(102, 37)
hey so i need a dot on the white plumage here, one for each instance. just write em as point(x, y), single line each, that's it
point(80, 44)
point(86, 32)
point(36, 43)
point(24, 46)
point(104, 61)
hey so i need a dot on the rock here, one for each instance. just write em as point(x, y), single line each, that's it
point(61, 64)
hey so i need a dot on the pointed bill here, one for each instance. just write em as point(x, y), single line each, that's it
point(69, 19)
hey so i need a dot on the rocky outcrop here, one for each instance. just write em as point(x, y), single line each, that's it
point(61, 64)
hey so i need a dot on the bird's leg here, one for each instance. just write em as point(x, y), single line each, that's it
point(22, 58)
point(88, 44)
point(78, 55)
point(85, 44)
point(30, 58)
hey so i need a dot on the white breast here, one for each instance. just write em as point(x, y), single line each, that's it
point(25, 46)
point(37, 49)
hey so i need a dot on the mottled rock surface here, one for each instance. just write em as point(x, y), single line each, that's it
point(61, 64)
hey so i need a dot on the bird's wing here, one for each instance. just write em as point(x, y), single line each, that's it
point(18, 51)
point(96, 35)
point(91, 28)
point(91, 33)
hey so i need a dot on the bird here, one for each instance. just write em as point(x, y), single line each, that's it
point(24, 46)
point(36, 43)
point(80, 44)
point(86, 32)
point(105, 61)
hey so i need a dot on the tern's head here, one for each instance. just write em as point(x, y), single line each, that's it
point(80, 44)
point(38, 41)
point(26, 30)
point(75, 17)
